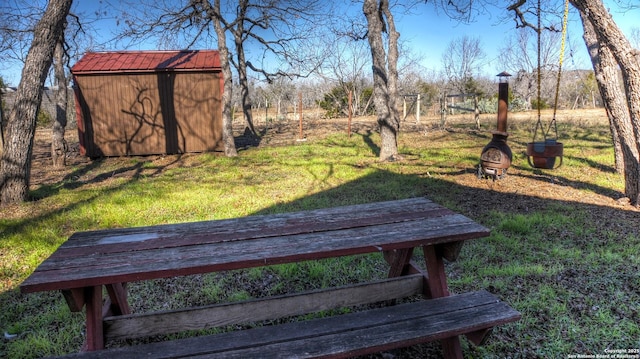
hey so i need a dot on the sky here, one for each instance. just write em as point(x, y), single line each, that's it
point(428, 33)
point(431, 34)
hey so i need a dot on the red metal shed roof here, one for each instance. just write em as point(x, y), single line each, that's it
point(147, 61)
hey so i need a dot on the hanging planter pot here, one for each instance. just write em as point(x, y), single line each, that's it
point(543, 154)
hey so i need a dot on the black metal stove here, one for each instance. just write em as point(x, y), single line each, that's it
point(496, 155)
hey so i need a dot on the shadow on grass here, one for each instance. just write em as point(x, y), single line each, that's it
point(593, 164)
point(74, 179)
point(372, 145)
point(541, 176)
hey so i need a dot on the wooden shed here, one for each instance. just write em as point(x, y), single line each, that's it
point(148, 102)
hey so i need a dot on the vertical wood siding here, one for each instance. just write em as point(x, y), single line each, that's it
point(149, 113)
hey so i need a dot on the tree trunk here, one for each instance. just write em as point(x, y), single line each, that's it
point(617, 139)
point(213, 13)
point(227, 94)
point(606, 75)
point(15, 164)
point(238, 33)
point(385, 75)
point(610, 38)
point(244, 90)
point(394, 99)
point(58, 143)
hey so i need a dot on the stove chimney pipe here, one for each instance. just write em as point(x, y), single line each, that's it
point(503, 104)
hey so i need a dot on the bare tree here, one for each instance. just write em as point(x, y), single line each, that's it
point(282, 90)
point(519, 55)
point(345, 68)
point(385, 74)
point(17, 20)
point(462, 60)
point(279, 28)
point(585, 90)
point(15, 163)
point(241, 65)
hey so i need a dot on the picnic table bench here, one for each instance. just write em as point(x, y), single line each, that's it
point(90, 261)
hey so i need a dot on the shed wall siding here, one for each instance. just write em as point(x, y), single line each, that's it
point(150, 113)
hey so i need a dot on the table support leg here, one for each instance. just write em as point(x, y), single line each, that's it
point(398, 261)
point(75, 298)
point(435, 269)
point(438, 288)
point(118, 295)
point(95, 335)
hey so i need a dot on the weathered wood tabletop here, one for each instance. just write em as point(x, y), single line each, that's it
point(142, 253)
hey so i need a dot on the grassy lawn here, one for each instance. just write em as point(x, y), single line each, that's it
point(563, 250)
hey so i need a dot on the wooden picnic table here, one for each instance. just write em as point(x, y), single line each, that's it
point(90, 261)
